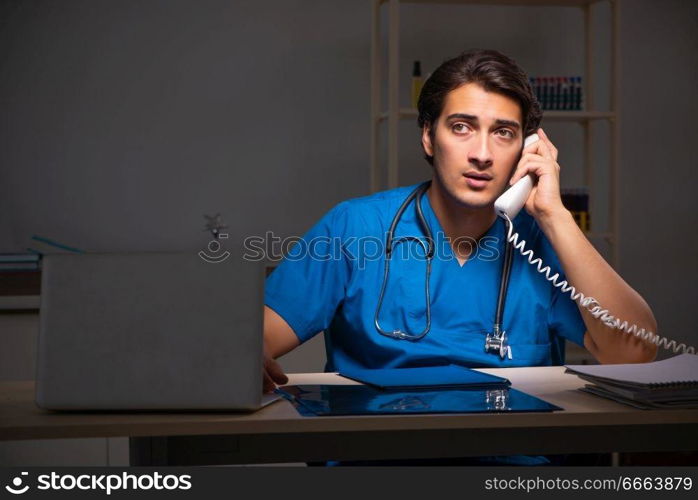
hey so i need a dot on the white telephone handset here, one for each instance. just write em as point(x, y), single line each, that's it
point(514, 198)
point(508, 205)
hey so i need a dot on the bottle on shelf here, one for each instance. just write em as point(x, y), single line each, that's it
point(417, 83)
point(576, 200)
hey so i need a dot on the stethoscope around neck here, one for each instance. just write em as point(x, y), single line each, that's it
point(495, 341)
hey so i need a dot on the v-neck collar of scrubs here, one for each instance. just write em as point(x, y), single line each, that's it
point(496, 230)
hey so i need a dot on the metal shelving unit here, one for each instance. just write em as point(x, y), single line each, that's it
point(391, 114)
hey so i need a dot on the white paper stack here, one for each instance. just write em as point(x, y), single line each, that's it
point(670, 383)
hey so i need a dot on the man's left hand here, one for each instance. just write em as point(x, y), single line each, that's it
point(540, 159)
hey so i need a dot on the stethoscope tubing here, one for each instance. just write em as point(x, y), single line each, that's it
point(428, 248)
point(428, 252)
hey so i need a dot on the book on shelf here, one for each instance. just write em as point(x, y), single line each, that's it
point(18, 257)
point(19, 266)
point(19, 262)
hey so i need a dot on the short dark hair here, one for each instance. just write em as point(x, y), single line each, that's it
point(490, 69)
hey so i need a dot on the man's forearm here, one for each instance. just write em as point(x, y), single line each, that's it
point(591, 275)
point(278, 336)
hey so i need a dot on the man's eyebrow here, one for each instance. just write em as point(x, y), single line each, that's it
point(473, 118)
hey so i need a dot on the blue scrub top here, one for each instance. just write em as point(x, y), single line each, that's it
point(330, 281)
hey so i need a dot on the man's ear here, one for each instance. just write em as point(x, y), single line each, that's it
point(426, 140)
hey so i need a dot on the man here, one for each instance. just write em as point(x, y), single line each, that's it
point(474, 112)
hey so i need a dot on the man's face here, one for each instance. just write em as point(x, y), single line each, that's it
point(476, 145)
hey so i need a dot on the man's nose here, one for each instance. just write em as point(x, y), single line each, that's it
point(481, 153)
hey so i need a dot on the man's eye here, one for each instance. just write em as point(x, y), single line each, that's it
point(506, 133)
point(459, 127)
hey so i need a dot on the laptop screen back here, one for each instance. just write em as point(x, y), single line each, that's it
point(150, 331)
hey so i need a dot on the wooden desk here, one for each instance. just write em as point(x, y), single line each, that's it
point(278, 434)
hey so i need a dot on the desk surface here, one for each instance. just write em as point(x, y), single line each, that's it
point(21, 419)
point(278, 433)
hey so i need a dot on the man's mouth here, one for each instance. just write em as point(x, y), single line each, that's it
point(477, 180)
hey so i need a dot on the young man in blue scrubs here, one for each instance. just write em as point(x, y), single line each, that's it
point(474, 112)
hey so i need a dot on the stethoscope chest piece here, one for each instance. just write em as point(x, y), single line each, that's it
point(496, 342)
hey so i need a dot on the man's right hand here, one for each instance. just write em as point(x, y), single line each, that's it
point(273, 374)
point(278, 340)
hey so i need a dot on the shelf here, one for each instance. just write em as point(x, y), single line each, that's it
point(578, 355)
point(10, 303)
point(599, 236)
point(578, 116)
point(388, 109)
point(557, 116)
point(20, 282)
point(544, 3)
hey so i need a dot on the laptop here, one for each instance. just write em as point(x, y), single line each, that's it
point(150, 331)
